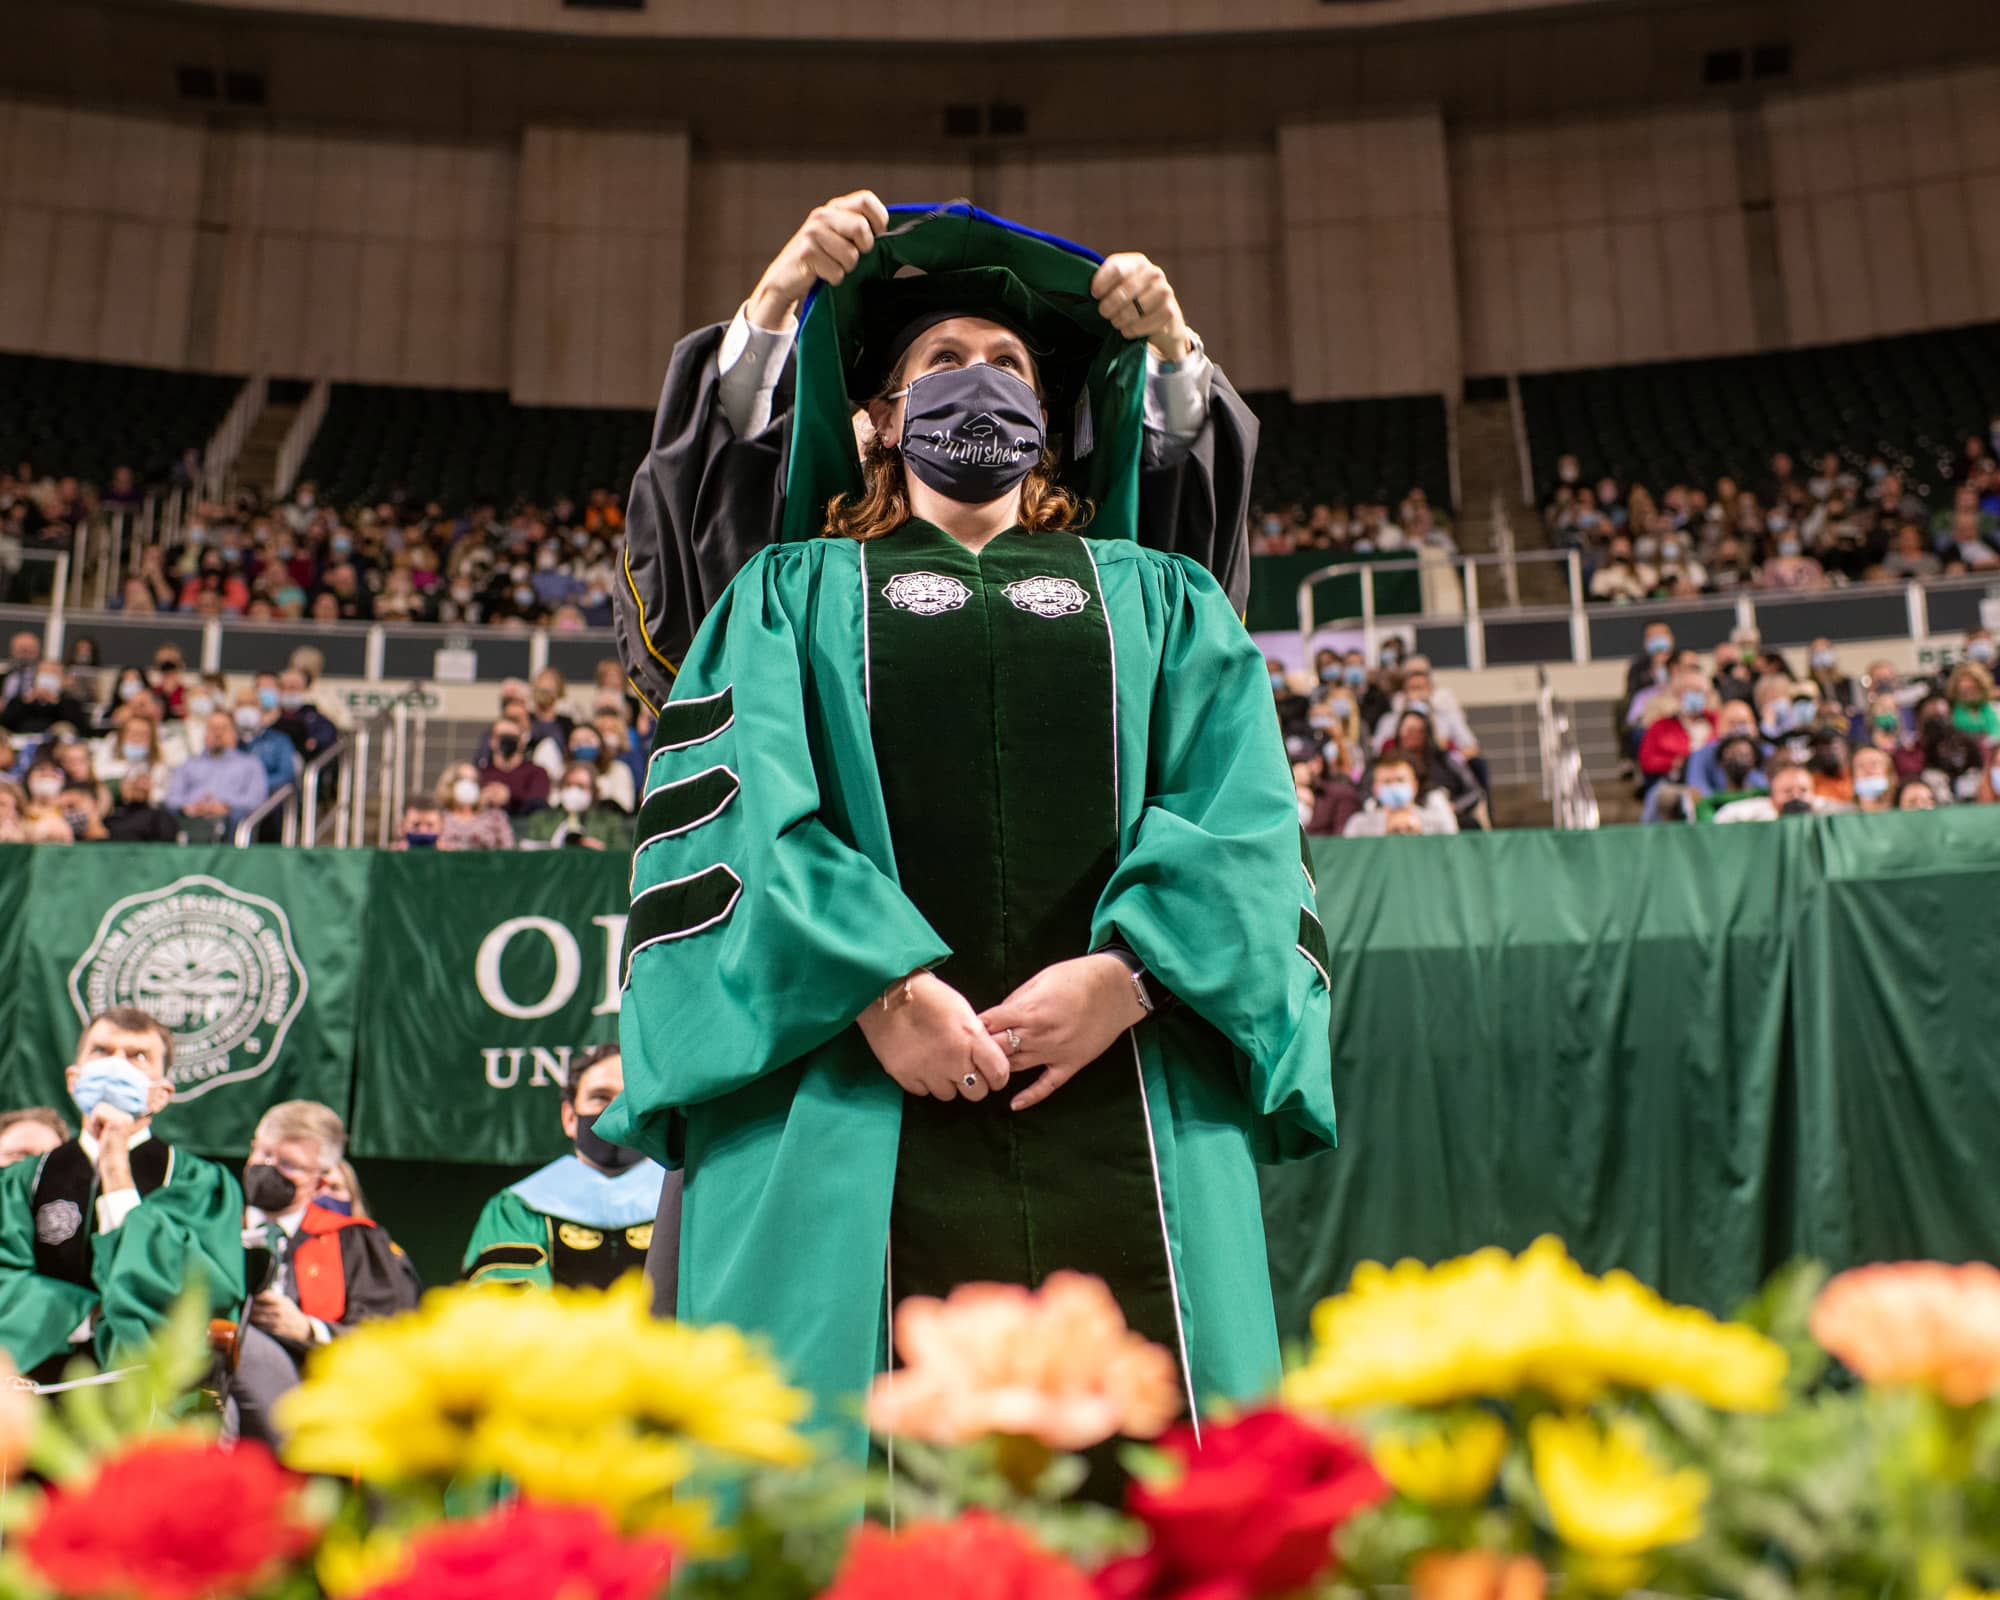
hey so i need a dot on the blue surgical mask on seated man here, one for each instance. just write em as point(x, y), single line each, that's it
point(115, 1082)
point(1694, 702)
point(1397, 794)
point(1870, 786)
point(971, 433)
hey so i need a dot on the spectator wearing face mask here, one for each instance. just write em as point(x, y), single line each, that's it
point(136, 819)
point(1882, 728)
point(1874, 780)
point(101, 1235)
point(587, 1217)
point(579, 816)
point(1740, 777)
point(1789, 568)
point(614, 779)
point(423, 823)
point(323, 1269)
point(134, 743)
point(30, 1133)
point(550, 718)
point(1681, 576)
point(83, 807)
point(44, 783)
point(1420, 692)
point(215, 790)
point(1706, 774)
point(508, 766)
point(299, 719)
point(1394, 787)
point(471, 816)
point(1791, 795)
point(1623, 577)
point(44, 703)
point(1685, 724)
point(258, 734)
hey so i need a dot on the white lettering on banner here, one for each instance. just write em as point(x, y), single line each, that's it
point(569, 969)
point(513, 1073)
point(551, 1066)
point(614, 944)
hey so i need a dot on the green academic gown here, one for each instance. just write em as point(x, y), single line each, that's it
point(899, 755)
point(56, 1268)
point(566, 1223)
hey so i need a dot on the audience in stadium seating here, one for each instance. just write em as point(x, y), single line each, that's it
point(579, 815)
point(472, 814)
point(1799, 530)
point(1397, 790)
point(216, 789)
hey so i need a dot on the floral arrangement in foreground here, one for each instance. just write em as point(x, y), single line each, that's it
point(1490, 1428)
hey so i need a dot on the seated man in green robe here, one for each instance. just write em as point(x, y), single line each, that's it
point(99, 1236)
point(972, 936)
point(587, 1217)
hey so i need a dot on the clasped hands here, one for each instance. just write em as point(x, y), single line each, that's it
point(1059, 1021)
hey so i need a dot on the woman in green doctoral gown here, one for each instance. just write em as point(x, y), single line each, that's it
point(972, 936)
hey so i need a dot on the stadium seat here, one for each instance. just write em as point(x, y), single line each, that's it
point(85, 418)
point(1343, 451)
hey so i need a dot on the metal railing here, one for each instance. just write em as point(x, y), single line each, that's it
point(1565, 782)
point(299, 437)
point(1472, 617)
point(227, 443)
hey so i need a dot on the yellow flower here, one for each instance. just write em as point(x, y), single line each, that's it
point(350, 1563)
point(1490, 1325)
point(1451, 1465)
point(573, 1394)
point(1965, 1591)
point(1609, 1498)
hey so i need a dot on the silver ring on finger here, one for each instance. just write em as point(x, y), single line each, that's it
point(1013, 1042)
point(970, 1080)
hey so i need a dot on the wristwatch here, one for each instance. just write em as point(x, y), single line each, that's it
point(1153, 996)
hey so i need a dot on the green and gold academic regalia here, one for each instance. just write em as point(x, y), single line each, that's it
point(57, 1269)
point(567, 1223)
point(900, 754)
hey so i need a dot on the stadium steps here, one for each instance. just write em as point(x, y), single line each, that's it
point(257, 463)
point(1489, 467)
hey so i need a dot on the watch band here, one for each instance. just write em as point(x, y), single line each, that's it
point(1155, 998)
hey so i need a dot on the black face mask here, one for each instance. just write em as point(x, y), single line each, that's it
point(971, 433)
point(1738, 772)
point(507, 745)
point(602, 1152)
point(268, 1189)
point(1796, 808)
point(1827, 764)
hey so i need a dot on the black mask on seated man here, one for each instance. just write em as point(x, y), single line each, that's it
point(971, 433)
point(602, 1152)
point(268, 1189)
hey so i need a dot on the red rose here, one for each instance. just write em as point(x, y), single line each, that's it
point(531, 1552)
point(1253, 1514)
point(169, 1519)
point(973, 1558)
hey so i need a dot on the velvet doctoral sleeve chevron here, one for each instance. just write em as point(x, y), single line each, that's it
point(1213, 892)
point(758, 929)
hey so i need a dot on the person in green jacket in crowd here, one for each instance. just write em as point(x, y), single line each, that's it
point(577, 815)
point(972, 936)
point(99, 1236)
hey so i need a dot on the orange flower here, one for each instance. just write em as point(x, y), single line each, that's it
point(1477, 1575)
point(1917, 1322)
point(1058, 1365)
point(18, 1408)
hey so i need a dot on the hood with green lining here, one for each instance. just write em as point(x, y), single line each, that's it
point(961, 259)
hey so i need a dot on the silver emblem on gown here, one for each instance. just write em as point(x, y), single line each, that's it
point(926, 593)
point(57, 1222)
point(1048, 597)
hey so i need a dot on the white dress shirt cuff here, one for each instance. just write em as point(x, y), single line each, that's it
point(1177, 392)
point(115, 1207)
point(321, 1333)
point(748, 365)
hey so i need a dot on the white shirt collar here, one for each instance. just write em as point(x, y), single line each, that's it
point(90, 1144)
